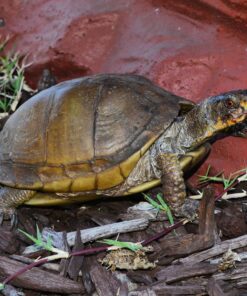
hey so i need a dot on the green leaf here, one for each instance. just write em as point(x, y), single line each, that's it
point(227, 182)
point(162, 206)
point(162, 202)
point(165, 208)
point(152, 202)
point(12, 80)
point(39, 240)
point(2, 286)
point(49, 244)
point(16, 83)
point(127, 245)
point(32, 238)
point(39, 236)
point(3, 105)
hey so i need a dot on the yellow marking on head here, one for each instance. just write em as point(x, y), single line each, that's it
point(244, 104)
point(221, 125)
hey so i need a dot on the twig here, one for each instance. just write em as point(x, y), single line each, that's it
point(164, 232)
point(95, 233)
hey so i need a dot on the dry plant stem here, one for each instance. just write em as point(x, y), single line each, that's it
point(226, 190)
point(90, 251)
point(164, 232)
point(26, 260)
point(53, 257)
point(24, 269)
point(39, 279)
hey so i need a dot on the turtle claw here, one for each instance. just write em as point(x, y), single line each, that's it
point(8, 215)
point(13, 220)
point(1, 217)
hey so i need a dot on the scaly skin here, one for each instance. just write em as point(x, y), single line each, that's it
point(10, 198)
point(202, 123)
point(172, 180)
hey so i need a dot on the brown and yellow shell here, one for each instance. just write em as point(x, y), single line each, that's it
point(84, 134)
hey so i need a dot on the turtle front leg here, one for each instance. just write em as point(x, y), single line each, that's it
point(174, 187)
point(10, 198)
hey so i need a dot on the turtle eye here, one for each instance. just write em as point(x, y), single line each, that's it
point(229, 103)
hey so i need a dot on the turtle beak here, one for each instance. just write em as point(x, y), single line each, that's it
point(241, 131)
point(243, 104)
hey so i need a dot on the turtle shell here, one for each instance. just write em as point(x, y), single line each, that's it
point(84, 134)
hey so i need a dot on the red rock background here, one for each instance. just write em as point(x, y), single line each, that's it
point(192, 48)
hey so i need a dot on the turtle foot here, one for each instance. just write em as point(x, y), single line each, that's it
point(9, 216)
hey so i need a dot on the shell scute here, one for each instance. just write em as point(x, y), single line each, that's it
point(84, 134)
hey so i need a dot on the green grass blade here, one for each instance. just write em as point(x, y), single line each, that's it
point(32, 238)
point(162, 202)
point(152, 202)
point(39, 236)
point(166, 208)
point(127, 245)
point(49, 244)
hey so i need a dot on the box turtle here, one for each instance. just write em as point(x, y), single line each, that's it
point(110, 135)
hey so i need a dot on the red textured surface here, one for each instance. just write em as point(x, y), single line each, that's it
point(192, 48)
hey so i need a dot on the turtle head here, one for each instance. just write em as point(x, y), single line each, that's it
point(225, 111)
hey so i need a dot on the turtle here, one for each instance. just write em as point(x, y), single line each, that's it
point(109, 135)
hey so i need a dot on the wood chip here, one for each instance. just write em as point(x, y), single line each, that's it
point(146, 292)
point(214, 288)
point(163, 289)
point(140, 276)
point(64, 263)
point(180, 272)
point(8, 242)
point(75, 262)
point(235, 274)
point(38, 279)
point(217, 250)
point(104, 282)
point(190, 243)
point(87, 264)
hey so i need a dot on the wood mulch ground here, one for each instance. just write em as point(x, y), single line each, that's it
point(186, 259)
